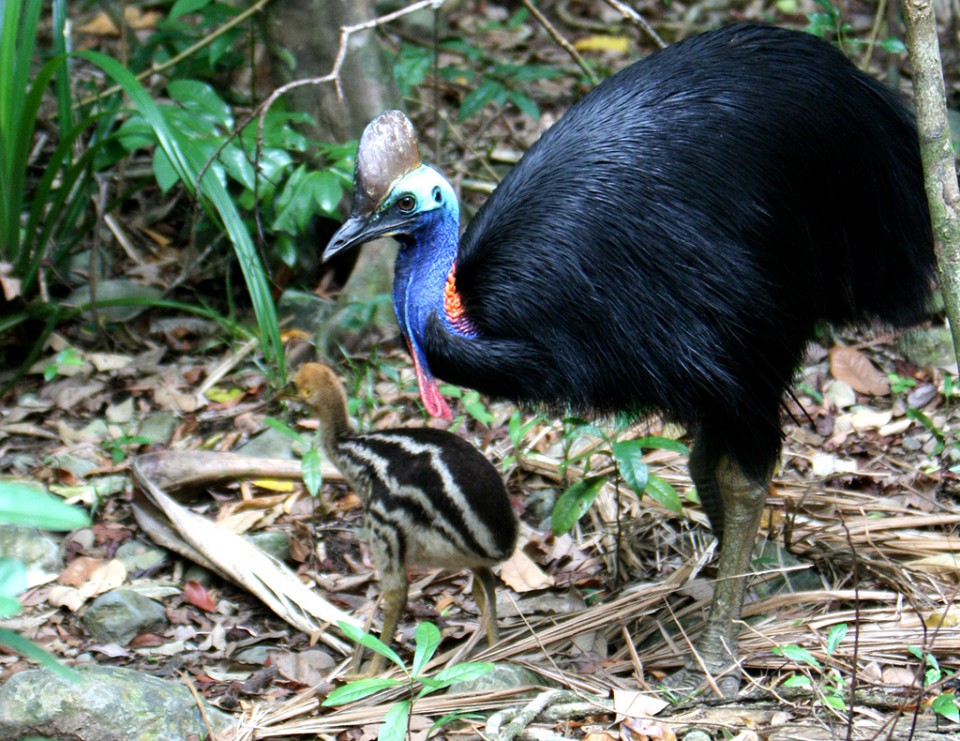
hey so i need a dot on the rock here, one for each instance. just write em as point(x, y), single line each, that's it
point(37, 550)
point(270, 443)
point(120, 615)
point(107, 704)
point(274, 542)
point(503, 677)
point(137, 556)
point(159, 427)
point(929, 348)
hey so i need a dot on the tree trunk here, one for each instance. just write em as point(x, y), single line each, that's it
point(939, 164)
point(303, 37)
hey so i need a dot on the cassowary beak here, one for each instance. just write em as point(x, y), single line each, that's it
point(360, 229)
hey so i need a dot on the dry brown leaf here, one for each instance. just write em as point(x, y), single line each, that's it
point(636, 704)
point(521, 574)
point(310, 668)
point(854, 368)
point(81, 581)
point(645, 729)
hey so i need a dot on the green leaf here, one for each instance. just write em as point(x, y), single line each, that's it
point(797, 680)
point(310, 471)
point(284, 429)
point(525, 103)
point(326, 191)
point(395, 722)
point(353, 691)
point(25, 648)
point(200, 99)
point(946, 705)
point(366, 640)
point(629, 457)
point(479, 97)
point(238, 166)
point(835, 701)
point(835, 636)
point(9, 607)
point(29, 506)
point(574, 502)
point(427, 638)
point(13, 577)
point(183, 7)
point(475, 407)
point(657, 442)
point(463, 672)
point(797, 654)
point(893, 45)
point(664, 494)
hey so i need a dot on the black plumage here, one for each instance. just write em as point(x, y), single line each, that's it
point(670, 245)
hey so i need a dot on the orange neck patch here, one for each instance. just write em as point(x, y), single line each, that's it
point(453, 304)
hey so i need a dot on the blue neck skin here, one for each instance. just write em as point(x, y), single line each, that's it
point(423, 264)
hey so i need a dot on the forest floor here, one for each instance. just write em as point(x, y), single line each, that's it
point(850, 629)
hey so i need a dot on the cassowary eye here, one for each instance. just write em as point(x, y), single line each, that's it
point(406, 203)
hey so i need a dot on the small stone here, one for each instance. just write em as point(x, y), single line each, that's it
point(502, 677)
point(697, 736)
point(270, 443)
point(120, 615)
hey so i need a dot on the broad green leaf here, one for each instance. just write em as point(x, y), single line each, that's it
point(574, 502)
point(798, 654)
point(427, 638)
point(310, 470)
point(893, 45)
point(29, 506)
point(797, 680)
point(835, 636)
point(327, 191)
point(353, 691)
point(629, 457)
point(463, 672)
point(163, 171)
point(13, 577)
point(395, 722)
point(946, 705)
point(238, 166)
point(200, 99)
point(366, 640)
point(664, 494)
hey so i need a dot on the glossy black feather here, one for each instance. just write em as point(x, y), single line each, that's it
point(672, 242)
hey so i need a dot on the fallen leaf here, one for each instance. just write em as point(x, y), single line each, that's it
point(853, 367)
point(521, 574)
point(197, 595)
point(634, 703)
point(614, 44)
point(309, 668)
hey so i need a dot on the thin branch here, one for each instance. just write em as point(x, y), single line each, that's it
point(632, 16)
point(561, 41)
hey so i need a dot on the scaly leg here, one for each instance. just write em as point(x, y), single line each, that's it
point(485, 594)
point(728, 493)
point(394, 598)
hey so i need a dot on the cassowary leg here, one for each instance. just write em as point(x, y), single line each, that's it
point(485, 594)
point(394, 598)
point(727, 493)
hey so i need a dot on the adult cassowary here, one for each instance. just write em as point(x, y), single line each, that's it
point(669, 245)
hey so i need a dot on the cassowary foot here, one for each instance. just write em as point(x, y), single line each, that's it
point(692, 681)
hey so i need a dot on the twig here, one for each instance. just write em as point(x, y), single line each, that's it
point(190, 51)
point(874, 33)
point(562, 42)
point(632, 16)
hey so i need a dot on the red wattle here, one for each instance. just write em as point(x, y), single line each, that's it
point(429, 391)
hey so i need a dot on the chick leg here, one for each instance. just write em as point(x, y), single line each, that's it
point(485, 594)
point(394, 599)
